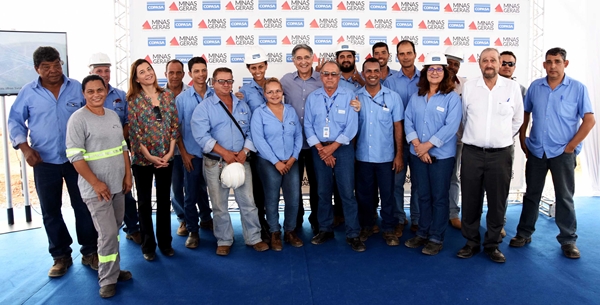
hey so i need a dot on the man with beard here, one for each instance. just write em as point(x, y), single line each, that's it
point(492, 116)
point(381, 52)
point(345, 55)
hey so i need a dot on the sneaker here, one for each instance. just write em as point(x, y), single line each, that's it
point(391, 239)
point(518, 241)
point(276, 244)
point(136, 237)
point(292, 238)
point(356, 244)
point(571, 251)
point(415, 242)
point(182, 230)
point(90, 260)
point(322, 237)
point(365, 233)
point(432, 248)
point(206, 225)
point(60, 266)
point(108, 291)
point(192, 241)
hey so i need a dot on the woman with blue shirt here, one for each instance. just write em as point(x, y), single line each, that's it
point(431, 121)
point(277, 136)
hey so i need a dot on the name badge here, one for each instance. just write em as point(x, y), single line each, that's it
point(326, 132)
point(440, 109)
point(341, 111)
point(386, 109)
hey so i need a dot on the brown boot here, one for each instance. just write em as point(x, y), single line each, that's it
point(91, 260)
point(182, 230)
point(293, 239)
point(60, 267)
point(276, 241)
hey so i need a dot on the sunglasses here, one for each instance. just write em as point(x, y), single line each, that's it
point(327, 73)
point(508, 63)
point(157, 113)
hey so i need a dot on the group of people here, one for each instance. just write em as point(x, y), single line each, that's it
point(355, 133)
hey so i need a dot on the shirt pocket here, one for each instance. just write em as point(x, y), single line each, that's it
point(568, 109)
point(339, 115)
point(73, 105)
point(384, 116)
point(505, 109)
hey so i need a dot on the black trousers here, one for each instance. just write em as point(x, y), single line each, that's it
point(489, 171)
point(259, 193)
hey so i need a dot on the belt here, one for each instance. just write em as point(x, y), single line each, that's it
point(327, 143)
point(212, 157)
point(484, 149)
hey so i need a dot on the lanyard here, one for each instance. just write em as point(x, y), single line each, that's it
point(328, 108)
point(383, 97)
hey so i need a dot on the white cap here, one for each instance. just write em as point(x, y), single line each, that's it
point(99, 59)
point(435, 58)
point(233, 175)
point(345, 47)
point(255, 55)
point(455, 53)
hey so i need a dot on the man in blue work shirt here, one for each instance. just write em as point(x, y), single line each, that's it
point(381, 52)
point(378, 152)
point(195, 194)
point(225, 141)
point(404, 82)
point(330, 124)
point(345, 56)
point(557, 103)
point(42, 110)
point(115, 100)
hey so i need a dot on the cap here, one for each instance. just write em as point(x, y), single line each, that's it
point(455, 53)
point(255, 55)
point(435, 58)
point(99, 59)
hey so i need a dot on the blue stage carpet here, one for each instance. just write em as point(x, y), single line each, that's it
point(326, 274)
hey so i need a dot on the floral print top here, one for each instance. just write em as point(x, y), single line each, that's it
point(148, 128)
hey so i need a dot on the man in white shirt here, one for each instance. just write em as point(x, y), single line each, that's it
point(492, 116)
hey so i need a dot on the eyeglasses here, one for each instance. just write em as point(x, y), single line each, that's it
point(327, 74)
point(508, 63)
point(224, 81)
point(157, 114)
point(438, 70)
point(48, 67)
point(278, 91)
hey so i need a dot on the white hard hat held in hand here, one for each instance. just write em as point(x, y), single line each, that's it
point(233, 175)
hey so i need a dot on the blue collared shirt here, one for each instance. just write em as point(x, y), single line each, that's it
point(556, 115)
point(211, 125)
point(434, 121)
point(36, 111)
point(253, 95)
point(390, 73)
point(343, 120)
point(276, 140)
point(116, 101)
point(186, 104)
point(403, 85)
point(376, 119)
point(355, 84)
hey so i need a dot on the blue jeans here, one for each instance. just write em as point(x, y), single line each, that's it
point(177, 197)
point(272, 181)
point(562, 169)
point(434, 184)
point(49, 185)
point(131, 215)
point(371, 177)
point(344, 178)
point(196, 196)
point(400, 179)
point(455, 184)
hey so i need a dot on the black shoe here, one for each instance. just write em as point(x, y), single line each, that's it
point(124, 275)
point(415, 242)
point(149, 256)
point(468, 251)
point(168, 252)
point(315, 229)
point(432, 248)
point(365, 233)
point(495, 255)
point(356, 244)
point(321, 238)
point(519, 241)
point(571, 251)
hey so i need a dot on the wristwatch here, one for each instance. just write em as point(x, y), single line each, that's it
point(247, 152)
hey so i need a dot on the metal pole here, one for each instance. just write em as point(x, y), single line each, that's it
point(25, 182)
point(9, 210)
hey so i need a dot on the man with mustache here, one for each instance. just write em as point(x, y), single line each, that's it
point(345, 55)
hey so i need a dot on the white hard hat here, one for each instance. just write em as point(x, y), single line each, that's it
point(435, 58)
point(455, 53)
point(99, 59)
point(345, 47)
point(233, 175)
point(255, 55)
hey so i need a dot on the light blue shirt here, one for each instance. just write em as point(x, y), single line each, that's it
point(355, 84)
point(556, 115)
point(434, 121)
point(211, 125)
point(116, 101)
point(253, 95)
point(275, 140)
point(343, 120)
point(186, 104)
point(376, 119)
point(390, 73)
point(36, 111)
point(403, 85)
